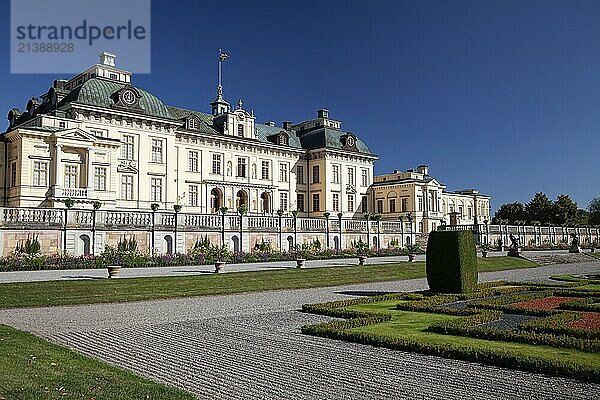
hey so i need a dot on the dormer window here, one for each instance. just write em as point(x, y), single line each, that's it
point(240, 130)
point(282, 139)
point(193, 123)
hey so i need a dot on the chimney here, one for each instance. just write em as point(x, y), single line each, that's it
point(423, 169)
point(287, 125)
point(322, 113)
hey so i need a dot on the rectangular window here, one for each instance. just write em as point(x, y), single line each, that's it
point(351, 177)
point(460, 210)
point(283, 201)
point(300, 202)
point(265, 170)
point(470, 213)
point(420, 204)
point(283, 172)
point(127, 187)
point(193, 161)
point(336, 202)
point(71, 176)
point(193, 195)
point(335, 174)
point(300, 175)
point(99, 178)
point(156, 189)
point(240, 130)
point(364, 177)
point(350, 203)
point(40, 173)
point(157, 150)
point(241, 167)
point(216, 164)
point(13, 174)
point(363, 204)
point(315, 174)
point(405, 204)
point(392, 205)
point(380, 206)
point(316, 205)
point(128, 147)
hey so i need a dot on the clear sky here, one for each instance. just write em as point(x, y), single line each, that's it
point(503, 96)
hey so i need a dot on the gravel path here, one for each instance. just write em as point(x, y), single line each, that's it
point(248, 346)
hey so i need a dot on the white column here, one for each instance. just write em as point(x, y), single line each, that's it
point(90, 168)
point(58, 180)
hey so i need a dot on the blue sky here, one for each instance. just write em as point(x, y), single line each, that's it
point(503, 96)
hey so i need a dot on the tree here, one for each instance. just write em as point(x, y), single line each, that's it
point(511, 212)
point(594, 209)
point(565, 211)
point(540, 208)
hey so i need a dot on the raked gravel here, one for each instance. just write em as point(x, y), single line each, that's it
point(249, 346)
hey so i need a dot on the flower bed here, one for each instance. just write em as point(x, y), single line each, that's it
point(588, 321)
point(545, 303)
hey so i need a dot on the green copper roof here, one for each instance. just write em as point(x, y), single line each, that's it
point(329, 138)
point(98, 92)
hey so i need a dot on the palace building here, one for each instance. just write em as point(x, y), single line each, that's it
point(98, 137)
point(163, 175)
point(417, 193)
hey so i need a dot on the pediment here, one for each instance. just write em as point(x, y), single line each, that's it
point(75, 134)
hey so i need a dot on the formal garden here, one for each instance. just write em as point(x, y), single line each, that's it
point(27, 255)
point(549, 328)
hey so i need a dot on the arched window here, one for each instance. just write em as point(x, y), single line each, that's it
point(241, 199)
point(336, 243)
point(236, 244)
point(265, 201)
point(84, 243)
point(290, 240)
point(216, 200)
point(168, 243)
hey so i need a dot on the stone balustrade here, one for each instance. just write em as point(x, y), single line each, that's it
point(529, 235)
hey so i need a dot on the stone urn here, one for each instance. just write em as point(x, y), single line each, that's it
point(219, 265)
point(411, 257)
point(362, 260)
point(300, 262)
point(114, 271)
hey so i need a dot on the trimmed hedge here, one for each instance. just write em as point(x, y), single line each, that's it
point(342, 330)
point(451, 262)
point(468, 326)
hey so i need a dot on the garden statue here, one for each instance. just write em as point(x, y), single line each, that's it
point(574, 244)
point(514, 250)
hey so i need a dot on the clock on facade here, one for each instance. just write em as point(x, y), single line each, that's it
point(128, 97)
point(350, 141)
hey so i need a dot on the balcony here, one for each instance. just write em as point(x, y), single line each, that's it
point(73, 193)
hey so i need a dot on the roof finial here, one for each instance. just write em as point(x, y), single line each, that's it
point(222, 57)
point(240, 104)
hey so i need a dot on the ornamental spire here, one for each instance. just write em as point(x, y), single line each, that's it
point(219, 105)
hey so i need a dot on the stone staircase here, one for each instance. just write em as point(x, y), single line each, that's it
point(561, 258)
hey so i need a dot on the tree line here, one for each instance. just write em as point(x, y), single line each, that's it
point(540, 210)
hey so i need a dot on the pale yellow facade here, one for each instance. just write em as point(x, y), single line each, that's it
point(96, 137)
point(415, 192)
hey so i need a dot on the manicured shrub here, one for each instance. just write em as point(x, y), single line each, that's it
point(451, 262)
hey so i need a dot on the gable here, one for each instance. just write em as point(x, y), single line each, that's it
point(75, 134)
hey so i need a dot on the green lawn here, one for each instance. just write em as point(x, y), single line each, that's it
point(35, 369)
point(33, 294)
point(594, 254)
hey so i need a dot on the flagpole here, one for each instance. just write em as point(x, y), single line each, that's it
point(220, 62)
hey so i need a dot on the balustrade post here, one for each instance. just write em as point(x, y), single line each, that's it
point(326, 215)
point(340, 229)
